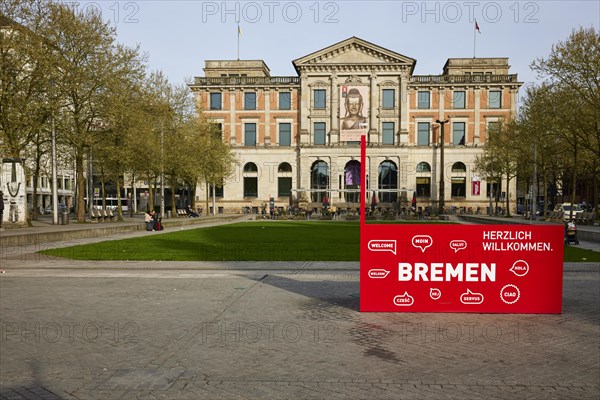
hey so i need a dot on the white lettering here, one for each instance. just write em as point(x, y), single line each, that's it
point(446, 272)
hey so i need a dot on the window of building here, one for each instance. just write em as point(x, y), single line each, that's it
point(423, 134)
point(218, 190)
point(285, 134)
point(492, 128)
point(424, 186)
point(215, 101)
point(458, 99)
point(423, 100)
point(387, 134)
point(319, 132)
point(459, 167)
point(458, 133)
point(250, 101)
point(423, 167)
point(459, 183)
point(319, 180)
point(388, 98)
point(459, 186)
point(285, 100)
point(493, 188)
point(250, 134)
point(216, 129)
point(388, 180)
point(250, 180)
point(352, 180)
point(284, 180)
point(319, 99)
point(495, 99)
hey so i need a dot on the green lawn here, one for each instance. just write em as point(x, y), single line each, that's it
point(576, 254)
point(248, 241)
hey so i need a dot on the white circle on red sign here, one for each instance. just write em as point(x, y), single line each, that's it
point(510, 294)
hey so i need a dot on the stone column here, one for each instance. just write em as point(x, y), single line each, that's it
point(476, 128)
point(373, 101)
point(335, 111)
point(404, 107)
point(233, 123)
point(268, 139)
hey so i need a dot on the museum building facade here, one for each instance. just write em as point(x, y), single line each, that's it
point(298, 137)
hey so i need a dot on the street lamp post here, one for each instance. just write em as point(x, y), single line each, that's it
point(441, 203)
point(54, 176)
point(162, 174)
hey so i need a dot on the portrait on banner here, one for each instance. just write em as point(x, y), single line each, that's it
point(354, 112)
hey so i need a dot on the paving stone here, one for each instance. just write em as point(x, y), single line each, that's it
point(240, 334)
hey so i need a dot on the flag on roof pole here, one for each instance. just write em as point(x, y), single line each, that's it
point(475, 36)
point(239, 33)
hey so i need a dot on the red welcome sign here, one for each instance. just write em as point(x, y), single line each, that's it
point(460, 268)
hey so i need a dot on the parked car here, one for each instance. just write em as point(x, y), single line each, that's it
point(566, 209)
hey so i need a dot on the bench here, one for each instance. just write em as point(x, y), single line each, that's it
point(586, 218)
point(110, 215)
point(94, 216)
point(555, 216)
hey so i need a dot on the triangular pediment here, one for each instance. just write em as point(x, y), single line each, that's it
point(354, 51)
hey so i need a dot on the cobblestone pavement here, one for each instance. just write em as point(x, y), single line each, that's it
point(276, 331)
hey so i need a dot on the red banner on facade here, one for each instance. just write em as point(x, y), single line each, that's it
point(460, 268)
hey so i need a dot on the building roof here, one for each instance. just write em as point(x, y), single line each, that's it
point(354, 50)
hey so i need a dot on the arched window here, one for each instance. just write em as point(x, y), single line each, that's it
point(319, 179)
point(388, 180)
point(250, 180)
point(423, 167)
point(284, 180)
point(352, 180)
point(459, 167)
point(250, 167)
point(284, 167)
point(459, 180)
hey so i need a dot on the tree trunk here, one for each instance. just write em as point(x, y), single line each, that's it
point(173, 188)
point(507, 215)
point(80, 185)
point(150, 194)
point(207, 198)
point(119, 206)
point(192, 186)
point(545, 215)
point(35, 209)
point(573, 180)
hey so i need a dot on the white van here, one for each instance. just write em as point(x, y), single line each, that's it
point(566, 209)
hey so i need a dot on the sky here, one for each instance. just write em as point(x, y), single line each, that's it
point(178, 36)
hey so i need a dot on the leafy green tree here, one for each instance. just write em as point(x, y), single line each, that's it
point(87, 60)
point(500, 158)
point(572, 72)
point(26, 75)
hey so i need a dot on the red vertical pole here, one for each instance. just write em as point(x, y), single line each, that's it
point(363, 178)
